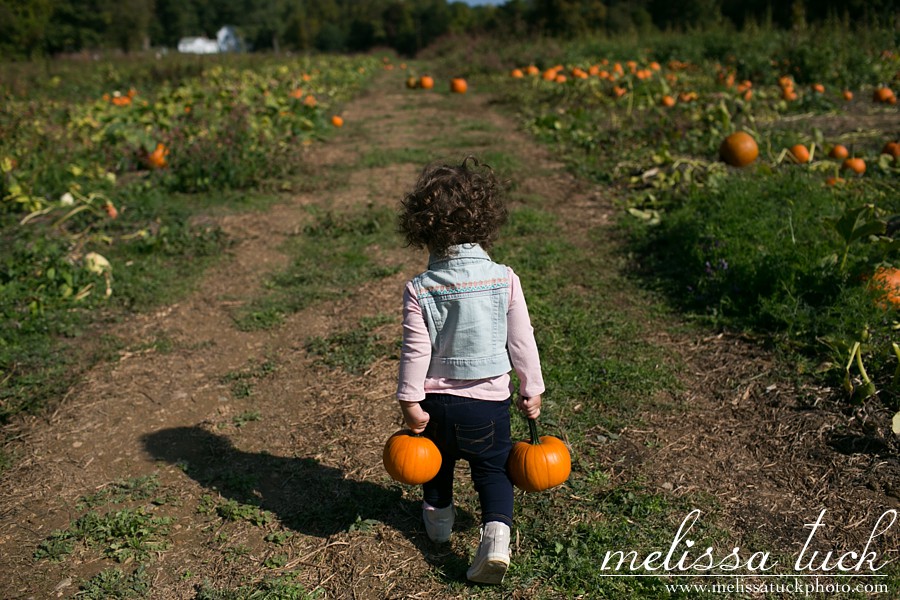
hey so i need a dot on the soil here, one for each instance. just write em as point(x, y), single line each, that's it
point(771, 453)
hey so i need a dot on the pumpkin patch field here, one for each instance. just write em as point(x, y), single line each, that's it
point(201, 284)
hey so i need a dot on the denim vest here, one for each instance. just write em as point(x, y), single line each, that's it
point(464, 298)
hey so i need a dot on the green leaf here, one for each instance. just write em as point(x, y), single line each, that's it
point(868, 229)
point(853, 225)
point(848, 222)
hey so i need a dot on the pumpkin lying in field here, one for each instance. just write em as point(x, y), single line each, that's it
point(887, 280)
point(738, 149)
point(411, 458)
point(540, 465)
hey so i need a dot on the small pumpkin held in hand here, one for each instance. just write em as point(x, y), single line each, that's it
point(541, 464)
point(410, 458)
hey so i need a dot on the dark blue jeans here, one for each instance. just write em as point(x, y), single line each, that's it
point(476, 431)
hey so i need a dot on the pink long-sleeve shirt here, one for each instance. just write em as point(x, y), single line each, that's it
point(415, 355)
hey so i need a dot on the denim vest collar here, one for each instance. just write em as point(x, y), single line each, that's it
point(472, 251)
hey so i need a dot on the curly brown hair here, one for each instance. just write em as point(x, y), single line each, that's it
point(453, 205)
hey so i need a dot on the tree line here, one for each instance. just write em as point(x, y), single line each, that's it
point(30, 28)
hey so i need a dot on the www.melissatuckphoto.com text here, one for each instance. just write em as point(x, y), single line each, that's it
point(815, 586)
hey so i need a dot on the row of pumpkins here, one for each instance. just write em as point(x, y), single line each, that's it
point(740, 149)
point(533, 466)
point(458, 85)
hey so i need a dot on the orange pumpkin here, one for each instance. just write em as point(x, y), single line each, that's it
point(892, 148)
point(540, 465)
point(857, 165)
point(847, 95)
point(800, 153)
point(458, 85)
point(667, 101)
point(337, 121)
point(887, 279)
point(426, 82)
point(738, 149)
point(410, 458)
point(517, 74)
point(839, 152)
point(157, 158)
point(883, 94)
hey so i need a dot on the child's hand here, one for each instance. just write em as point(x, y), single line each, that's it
point(416, 418)
point(530, 407)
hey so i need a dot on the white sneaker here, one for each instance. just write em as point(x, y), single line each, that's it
point(492, 558)
point(438, 522)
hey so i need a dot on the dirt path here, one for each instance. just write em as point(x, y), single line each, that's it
point(312, 459)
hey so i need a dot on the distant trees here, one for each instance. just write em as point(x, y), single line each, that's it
point(39, 27)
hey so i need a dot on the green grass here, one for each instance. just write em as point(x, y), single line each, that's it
point(391, 156)
point(593, 352)
point(332, 257)
point(764, 254)
point(353, 350)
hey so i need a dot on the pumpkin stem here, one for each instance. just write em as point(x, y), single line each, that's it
point(532, 428)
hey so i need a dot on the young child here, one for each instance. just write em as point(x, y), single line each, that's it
point(465, 326)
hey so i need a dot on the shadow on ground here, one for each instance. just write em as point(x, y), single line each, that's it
point(306, 496)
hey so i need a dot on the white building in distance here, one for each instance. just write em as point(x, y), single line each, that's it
point(226, 40)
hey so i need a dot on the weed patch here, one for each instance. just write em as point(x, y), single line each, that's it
point(119, 535)
point(124, 490)
point(113, 584)
point(242, 382)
